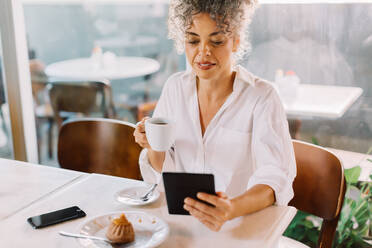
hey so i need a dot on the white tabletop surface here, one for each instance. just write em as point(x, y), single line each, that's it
point(21, 184)
point(323, 100)
point(95, 195)
point(84, 68)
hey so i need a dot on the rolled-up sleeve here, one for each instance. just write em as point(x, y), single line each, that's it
point(149, 174)
point(163, 109)
point(272, 149)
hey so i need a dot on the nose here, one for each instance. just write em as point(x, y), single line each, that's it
point(204, 49)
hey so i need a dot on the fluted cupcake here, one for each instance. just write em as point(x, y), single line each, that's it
point(120, 230)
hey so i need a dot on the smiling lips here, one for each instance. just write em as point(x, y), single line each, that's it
point(205, 65)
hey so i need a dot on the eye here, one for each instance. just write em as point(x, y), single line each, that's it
point(193, 42)
point(217, 42)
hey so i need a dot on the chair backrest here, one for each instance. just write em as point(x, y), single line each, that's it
point(98, 145)
point(81, 97)
point(319, 187)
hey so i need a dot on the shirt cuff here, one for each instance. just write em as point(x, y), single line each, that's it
point(149, 174)
point(277, 180)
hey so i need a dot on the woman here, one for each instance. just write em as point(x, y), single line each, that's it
point(229, 122)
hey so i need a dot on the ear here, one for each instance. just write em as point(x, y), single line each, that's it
point(236, 43)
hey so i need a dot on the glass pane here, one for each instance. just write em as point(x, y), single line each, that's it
point(91, 40)
point(326, 45)
point(6, 147)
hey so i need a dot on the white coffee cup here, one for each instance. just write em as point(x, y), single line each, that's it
point(160, 133)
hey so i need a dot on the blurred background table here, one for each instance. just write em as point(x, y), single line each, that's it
point(83, 69)
point(119, 70)
point(323, 100)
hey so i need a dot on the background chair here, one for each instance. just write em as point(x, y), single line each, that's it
point(319, 189)
point(82, 98)
point(43, 109)
point(99, 145)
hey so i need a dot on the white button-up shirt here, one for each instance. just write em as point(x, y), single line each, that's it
point(246, 143)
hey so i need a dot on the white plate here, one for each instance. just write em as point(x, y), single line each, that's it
point(125, 195)
point(149, 230)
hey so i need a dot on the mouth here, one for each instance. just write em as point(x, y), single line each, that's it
point(205, 65)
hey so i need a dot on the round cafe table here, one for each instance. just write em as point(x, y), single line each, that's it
point(84, 69)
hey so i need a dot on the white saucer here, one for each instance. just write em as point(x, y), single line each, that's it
point(150, 231)
point(125, 196)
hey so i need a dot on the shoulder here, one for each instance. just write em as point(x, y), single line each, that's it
point(262, 88)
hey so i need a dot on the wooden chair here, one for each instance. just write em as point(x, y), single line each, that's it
point(82, 98)
point(98, 145)
point(319, 189)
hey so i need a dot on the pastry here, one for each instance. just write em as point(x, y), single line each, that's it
point(120, 230)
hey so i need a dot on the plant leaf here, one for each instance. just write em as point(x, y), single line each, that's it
point(369, 150)
point(314, 140)
point(353, 174)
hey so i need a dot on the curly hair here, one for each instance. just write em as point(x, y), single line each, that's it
point(233, 16)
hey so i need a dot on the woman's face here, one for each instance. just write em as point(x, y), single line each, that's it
point(209, 49)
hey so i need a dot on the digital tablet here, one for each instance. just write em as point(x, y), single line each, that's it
point(179, 185)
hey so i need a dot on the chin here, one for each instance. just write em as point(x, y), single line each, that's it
point(205, 74)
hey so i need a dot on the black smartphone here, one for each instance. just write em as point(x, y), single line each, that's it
point(179, 185)
point(56, 217)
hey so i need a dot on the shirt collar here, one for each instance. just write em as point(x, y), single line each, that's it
point(242, 78)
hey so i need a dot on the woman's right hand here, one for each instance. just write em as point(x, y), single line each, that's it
point(156, 159)
point(140, 134)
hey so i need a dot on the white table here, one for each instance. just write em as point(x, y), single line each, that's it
point(94, 194)
point(84, 69)
point(323, 100)
point(21, 184)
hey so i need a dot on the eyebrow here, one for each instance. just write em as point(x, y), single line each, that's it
point(212, 34)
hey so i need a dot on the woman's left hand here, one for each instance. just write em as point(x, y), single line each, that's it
point(211, 216)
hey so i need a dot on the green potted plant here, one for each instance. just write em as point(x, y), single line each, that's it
point(354, 227)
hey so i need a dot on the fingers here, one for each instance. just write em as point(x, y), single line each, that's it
point(222, 195)
point(212, 199)
point(140, 134)
point(204, 208)
point(221, 202)
point(140, 126)
point(210, 225)
point(208, 220)
point(141, 139)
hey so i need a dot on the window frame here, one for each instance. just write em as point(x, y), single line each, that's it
point(17, 81)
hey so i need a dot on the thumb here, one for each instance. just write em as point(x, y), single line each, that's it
point(222, 195)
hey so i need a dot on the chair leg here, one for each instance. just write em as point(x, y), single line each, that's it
point(50, 137)
point(38, 137)
point(327, 233)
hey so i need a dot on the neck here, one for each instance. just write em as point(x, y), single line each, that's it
point(216, 87)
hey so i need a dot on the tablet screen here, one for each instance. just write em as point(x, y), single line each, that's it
point(179, 185)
